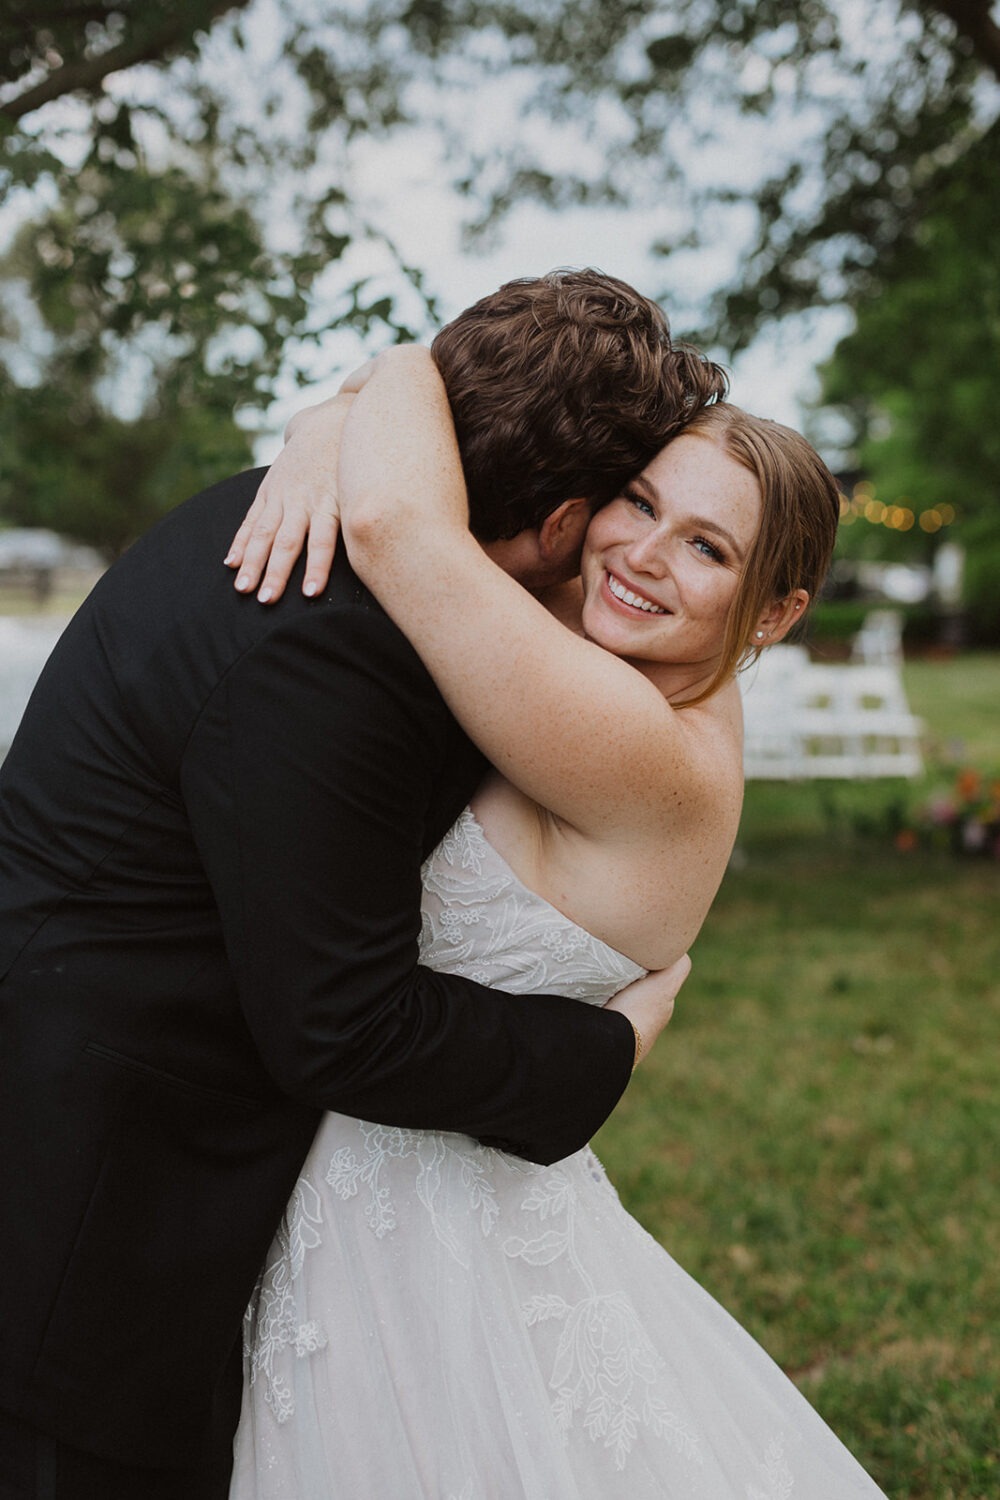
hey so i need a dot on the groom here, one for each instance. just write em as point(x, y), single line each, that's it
point(212, 822)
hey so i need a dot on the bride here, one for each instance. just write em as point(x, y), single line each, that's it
point(438, 1320)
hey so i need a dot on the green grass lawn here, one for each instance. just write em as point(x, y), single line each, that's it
point(960, 703)
point(817, 1136)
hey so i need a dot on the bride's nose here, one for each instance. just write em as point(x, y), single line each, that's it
point(647, 554)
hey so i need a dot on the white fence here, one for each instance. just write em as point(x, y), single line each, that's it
point(807, 720)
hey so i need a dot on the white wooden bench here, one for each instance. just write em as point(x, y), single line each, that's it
point(807, 720)
point(879, 642)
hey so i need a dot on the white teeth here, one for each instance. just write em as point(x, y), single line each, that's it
point(636, 600)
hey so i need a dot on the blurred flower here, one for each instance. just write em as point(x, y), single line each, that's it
point(965, 818)
point(973, 837)
point(968, 785)
point(941, 810)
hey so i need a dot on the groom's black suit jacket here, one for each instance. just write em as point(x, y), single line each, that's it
point(211, 826)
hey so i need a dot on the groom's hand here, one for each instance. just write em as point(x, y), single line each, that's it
point(649, 1003)
point(296, 500)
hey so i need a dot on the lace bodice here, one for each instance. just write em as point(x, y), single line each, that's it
point(480, 921)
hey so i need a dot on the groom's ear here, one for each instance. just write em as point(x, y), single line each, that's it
point(539, 557)
point(561, 534)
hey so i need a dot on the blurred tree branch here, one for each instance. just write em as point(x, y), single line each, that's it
point(158, 33)
point(973, 20)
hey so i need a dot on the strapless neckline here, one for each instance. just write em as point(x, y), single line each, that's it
point(479, 918)
point(470, 823)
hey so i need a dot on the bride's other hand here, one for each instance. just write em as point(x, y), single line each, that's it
point(296, 504)
point(649, 1003)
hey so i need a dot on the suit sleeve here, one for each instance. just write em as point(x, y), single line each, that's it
point(307, 781)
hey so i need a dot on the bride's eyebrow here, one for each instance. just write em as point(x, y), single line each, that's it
point(704, 524)
point(641, 485)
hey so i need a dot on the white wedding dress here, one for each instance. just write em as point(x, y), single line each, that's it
point(439, 1321)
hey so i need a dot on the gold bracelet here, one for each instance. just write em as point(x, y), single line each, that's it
point(640, 1045)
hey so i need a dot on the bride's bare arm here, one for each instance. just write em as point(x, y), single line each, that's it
point(578, 730)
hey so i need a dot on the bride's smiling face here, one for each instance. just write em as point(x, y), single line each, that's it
point(662, 562)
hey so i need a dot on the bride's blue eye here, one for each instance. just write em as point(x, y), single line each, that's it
point(639, 501)
point(708, 549)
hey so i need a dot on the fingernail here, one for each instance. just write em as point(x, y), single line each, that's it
point(242, 583)
point(309, 589)
point(265, 595)
point(229, 560)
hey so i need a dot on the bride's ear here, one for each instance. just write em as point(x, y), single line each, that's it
point(776, 621)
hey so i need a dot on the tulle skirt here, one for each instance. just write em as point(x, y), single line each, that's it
point(439, 1321)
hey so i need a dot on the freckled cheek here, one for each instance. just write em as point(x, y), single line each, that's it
point(711, 605)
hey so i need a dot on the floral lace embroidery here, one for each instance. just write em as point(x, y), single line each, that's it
point(605, 1366)
point(480, 921)
point(270, 1325)
point(431, 1152)
point(776, 1475)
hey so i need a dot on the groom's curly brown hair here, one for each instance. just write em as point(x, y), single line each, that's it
point(562, 386)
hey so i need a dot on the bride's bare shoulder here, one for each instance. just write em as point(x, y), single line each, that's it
point(711, 734)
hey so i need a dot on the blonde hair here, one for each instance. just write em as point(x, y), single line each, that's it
point(800, 511)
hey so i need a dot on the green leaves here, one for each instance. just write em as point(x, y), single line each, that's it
point(917, 380)
point(189, 199)
point(75, 468)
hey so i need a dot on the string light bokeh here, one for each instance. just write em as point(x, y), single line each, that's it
point(862, 505)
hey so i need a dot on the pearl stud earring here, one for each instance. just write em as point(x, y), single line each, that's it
point(760, 635)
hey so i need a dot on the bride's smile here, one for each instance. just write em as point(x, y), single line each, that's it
point(632, 600)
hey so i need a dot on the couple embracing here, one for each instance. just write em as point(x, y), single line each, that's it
point(330, 932)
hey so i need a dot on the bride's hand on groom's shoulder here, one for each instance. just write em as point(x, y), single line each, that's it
point(299, 505)
point(296, 505)
point(648, 1003)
